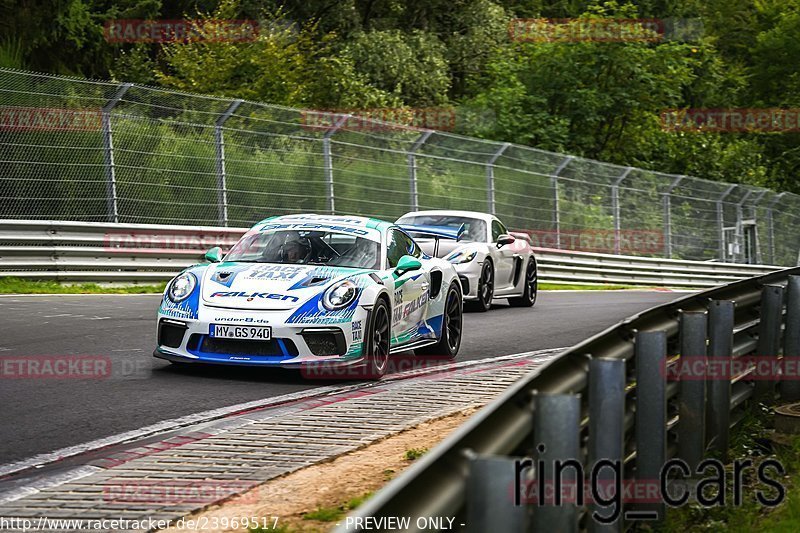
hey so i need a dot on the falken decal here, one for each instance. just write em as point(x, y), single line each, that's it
point(250, 296)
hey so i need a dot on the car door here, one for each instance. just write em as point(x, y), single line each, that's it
point(504, 258)
point(411, 289)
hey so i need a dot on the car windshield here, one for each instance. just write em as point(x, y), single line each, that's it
point(475, 228)
point(306, 248)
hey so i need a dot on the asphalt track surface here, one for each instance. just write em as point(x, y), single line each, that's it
point(39, 415)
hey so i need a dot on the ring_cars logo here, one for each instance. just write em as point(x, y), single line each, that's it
point(253, 295)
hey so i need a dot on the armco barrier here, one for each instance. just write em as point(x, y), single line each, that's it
point(663, 387)
point(89, 251)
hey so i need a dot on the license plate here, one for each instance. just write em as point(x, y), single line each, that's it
point(260, 333)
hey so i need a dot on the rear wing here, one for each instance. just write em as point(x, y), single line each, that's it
point(520, 235)
point(437, 232)
point(440, 232)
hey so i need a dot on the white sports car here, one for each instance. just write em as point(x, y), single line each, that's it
point(298, 291)
point(491, 262)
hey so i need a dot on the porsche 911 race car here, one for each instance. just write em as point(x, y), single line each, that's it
point(303, 290)
point(491, 262)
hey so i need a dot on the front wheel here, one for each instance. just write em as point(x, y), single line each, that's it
point(452, 324)
point(485, 289)
point(530, 289)
point(376, 349)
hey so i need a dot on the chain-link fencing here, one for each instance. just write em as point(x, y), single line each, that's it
point(83, 150)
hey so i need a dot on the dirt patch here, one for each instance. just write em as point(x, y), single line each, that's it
point(325, 489)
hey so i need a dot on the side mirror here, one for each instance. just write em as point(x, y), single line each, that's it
point(214, 255)
point(407, 263)
point(504, 239)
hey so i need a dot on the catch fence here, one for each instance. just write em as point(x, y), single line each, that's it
point(99, 151)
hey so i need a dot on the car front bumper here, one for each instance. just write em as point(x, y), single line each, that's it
point(469, 274)
point(292, 345)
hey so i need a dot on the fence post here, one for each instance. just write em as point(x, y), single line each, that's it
point(769, 338)
point(222, 181)
point(790, 388)
point(491, 494)
point(606, 432)
point(740, 255)
point(108, 150)
point(615, 206)
point(721, 221)
point(556, 433)
point(490, 189)
point(412, 169)
point(771, 226)
point(328, 160)
point(692, 388)
point(759, 259)
point(651, 414)
point(720, 350)
point(668, 216)
point(556, 208)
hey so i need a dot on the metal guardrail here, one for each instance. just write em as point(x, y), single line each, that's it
point(609, 398)
point(89, 251)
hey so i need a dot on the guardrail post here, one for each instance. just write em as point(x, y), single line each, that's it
point(651, 415)
point(412, 169)
point(771, 226)
point(490, 188)
point(615, 207)
point(606, 433)
point(491, 493)
point(692, 389)
point(720, 349)
point(327, 161)
point(108, 151)
point(667, 200)
point(721, 222)
point(556, 208)
point(790, 388)
point(222, 180)
point(769, 338)
point(556, 432)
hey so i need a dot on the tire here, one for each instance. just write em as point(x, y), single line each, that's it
point(452, 326)
point(485, 289)
point(377, 340)
point(531, 287)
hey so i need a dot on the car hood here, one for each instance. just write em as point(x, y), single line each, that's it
point(267, 286)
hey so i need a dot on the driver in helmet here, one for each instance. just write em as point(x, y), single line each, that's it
point(295, 249)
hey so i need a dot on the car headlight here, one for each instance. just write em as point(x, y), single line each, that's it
point(340, 295)
point(181, 287)
point(460, 257)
